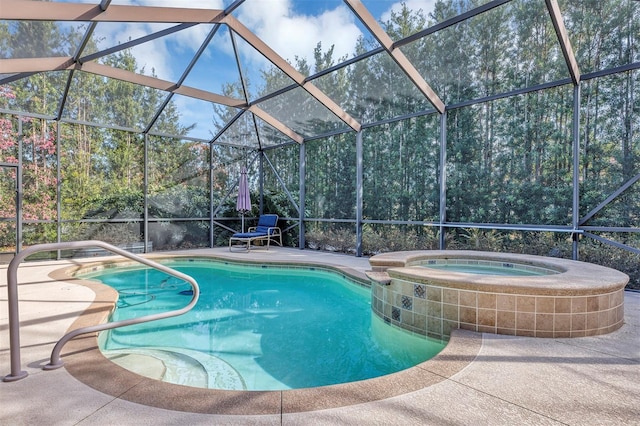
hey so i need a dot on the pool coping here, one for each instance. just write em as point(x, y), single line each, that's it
point(84, 361)
point(576, 277)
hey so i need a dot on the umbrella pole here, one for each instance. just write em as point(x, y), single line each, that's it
point(243, 222)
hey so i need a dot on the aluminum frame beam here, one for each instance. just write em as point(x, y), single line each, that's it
point(289, 70)
point(245, 91)
point(55, 11)
point(66, 63)
point(563, 39)
point(442, 177)
point(186, 17)
point(264, 116)
point(359, 191)
point(575, 152)
point(609, 199)
point(562, 82)
point(282, 184)
point(450, 22)
point(183, 77)
point(17, 167)
point(303, 194)
point(132, 43)
point(612, 243)
point(403, 62)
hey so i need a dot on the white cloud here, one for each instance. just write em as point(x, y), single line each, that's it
point(293, 34)
point(157, 54)
point(188, 40)
point(153, 54)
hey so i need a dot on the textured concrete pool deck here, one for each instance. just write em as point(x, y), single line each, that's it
point(479, 379)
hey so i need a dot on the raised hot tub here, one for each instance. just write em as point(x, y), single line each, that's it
point(434, 292)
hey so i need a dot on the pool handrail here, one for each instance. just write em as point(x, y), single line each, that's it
point(55, 361)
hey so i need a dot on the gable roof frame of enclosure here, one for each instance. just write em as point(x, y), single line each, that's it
point(14, 69)
point(21, 68)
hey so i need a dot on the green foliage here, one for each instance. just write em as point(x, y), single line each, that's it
point(481, 239)
point(273, 203)
point(388, 238)
point(605, 255)
point(278, 203)
point(123, 203)
point(331, 168)
point(401, 171)
point(331, 237)
point(112, 233)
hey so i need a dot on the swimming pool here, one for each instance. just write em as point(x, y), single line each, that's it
point(257, 328)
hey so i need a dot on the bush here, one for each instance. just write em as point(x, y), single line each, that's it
point(398, 238)
point(334, 240)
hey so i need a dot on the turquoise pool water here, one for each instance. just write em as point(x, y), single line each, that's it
point(260, 328)
point(482, 267)
point(486, 270)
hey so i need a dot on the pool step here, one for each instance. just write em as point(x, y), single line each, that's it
point(179, 366)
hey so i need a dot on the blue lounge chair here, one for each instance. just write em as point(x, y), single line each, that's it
point(267, 229)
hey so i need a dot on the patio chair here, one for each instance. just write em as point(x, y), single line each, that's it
point(267, 230)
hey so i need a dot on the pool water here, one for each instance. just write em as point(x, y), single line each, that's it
point(486, 270)
point(486, 267)
point(261, 328)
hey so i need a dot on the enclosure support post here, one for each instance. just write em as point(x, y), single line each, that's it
point(15, 167)
point(58, 190)
point(261, 181)
point(303, 171)
point(443, 179)
point(145, 193)
point(359, 202)
point(19, 190)
point(211, 212)
point(576, 171)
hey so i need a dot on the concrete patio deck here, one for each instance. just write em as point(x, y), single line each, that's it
point(505, 380)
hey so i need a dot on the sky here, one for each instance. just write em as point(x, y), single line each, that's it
point(291, 27)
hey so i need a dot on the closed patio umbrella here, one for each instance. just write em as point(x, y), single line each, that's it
point(243, 204)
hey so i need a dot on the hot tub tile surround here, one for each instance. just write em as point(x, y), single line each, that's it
point(579, 299)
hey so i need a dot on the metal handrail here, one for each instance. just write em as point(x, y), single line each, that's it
point(56, 362)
